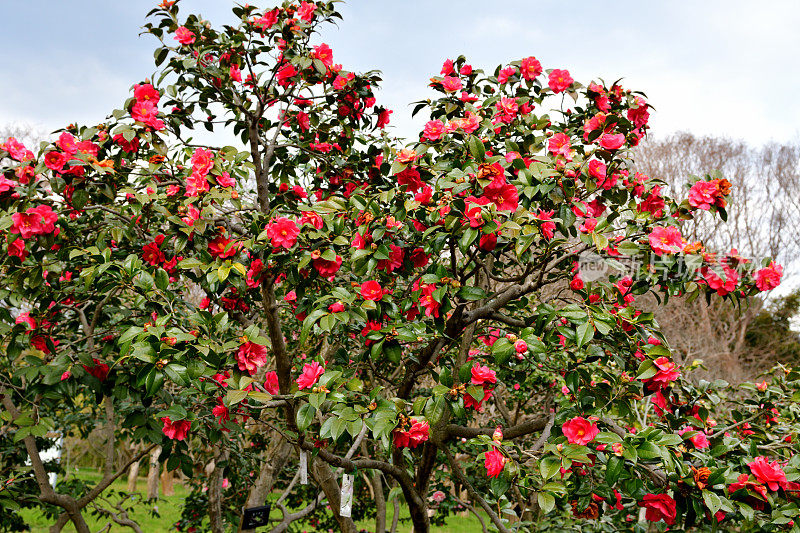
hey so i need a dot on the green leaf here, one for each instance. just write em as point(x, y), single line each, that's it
point(546, 501)
point(305, 415)
point(476, 148)
point(584, 334)
point(549, 466)
point(162, 279)
point(236, 396)
point(614, 469)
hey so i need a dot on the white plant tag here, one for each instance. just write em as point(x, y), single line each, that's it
point(347, 495)
point(303, 468)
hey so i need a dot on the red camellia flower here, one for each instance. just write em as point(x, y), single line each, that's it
point(327, 268)
point(659, 507)
point(324, 53)
point(251, 357)
point(176, 430)
point(667, 372)
point(283, 232)
point(413, 437)
point(770, 277)
point(451, 83)
point(271, 382)
point(310, 375)
point(579, 431)
point(770, 474)
point(371, 290)
point(99, 370)
point(494, 462)
point(223, 247)
point(665, 241)
point(559, 80)
point(151, 254)
point(38, 220)
point(743, 482)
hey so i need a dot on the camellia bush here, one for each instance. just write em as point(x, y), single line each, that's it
point(241, 266)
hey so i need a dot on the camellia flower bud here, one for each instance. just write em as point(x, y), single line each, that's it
point(497, 436)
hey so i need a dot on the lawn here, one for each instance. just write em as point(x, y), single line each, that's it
point(169, 511)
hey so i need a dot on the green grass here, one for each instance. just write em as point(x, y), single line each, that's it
point(169, 511)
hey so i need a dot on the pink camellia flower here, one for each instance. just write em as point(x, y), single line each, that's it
point(508, 106)
point(251, 357)
point(371, 290)
point(770, 277)
point(283, 232)
point(699, 439)
point(202, 161)
point(483, 374)
point(16, 150)
point(559, 144)
point(494, 462)
point(66, 141)
point(521, 346)
point(597, 169)
point(184, 35)
point(235, 73)
point(588, 225)
point(559, 80)
point(310, 374)
point(336, 307)
point(770, 474)
point(271, 382)
point(530, 68)
point(612, 141)
point(146, 112)
point(413, 437)
point(659, 507)
point(504, 74)
point(306, 11)
point(26, 318)
point(703, 194)
point(547, 226)
point(438, 496)
point(55, 161)
point(451, 83)
point(579, 430)
point(434, 130)
point(665, 241)
point(176, 430)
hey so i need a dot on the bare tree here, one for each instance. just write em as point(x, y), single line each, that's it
point(762, 220)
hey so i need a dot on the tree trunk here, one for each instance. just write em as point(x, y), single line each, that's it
point(215, 472)
point(168, 483)
point(133, 474)
point(380, 502)
point(275, 460)
point(324, 477)
point(152, 474)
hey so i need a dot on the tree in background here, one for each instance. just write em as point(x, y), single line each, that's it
point(423, 317)
point(761, 218)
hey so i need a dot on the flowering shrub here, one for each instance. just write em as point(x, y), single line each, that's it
point(381, 308)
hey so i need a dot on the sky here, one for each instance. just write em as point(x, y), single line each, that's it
point(726, 68)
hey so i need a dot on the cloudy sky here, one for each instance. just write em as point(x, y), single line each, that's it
point(719, 67)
